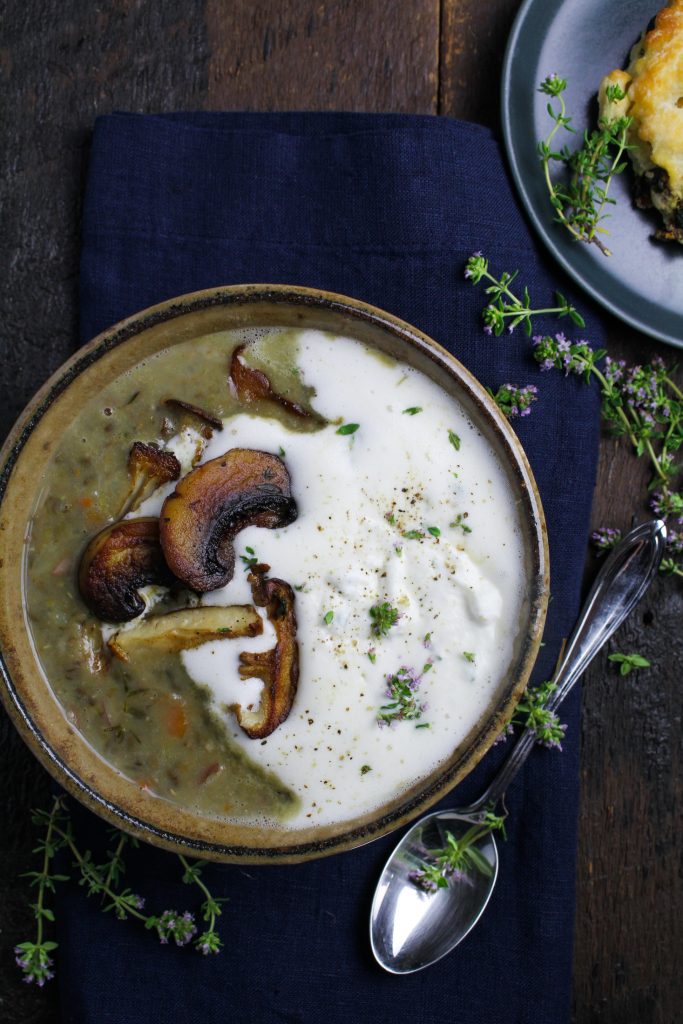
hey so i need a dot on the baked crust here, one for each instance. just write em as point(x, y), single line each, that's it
point(653, 84)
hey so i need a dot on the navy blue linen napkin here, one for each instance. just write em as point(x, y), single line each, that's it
point(385, 208)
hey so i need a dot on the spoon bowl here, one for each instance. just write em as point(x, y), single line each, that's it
point(411, 928)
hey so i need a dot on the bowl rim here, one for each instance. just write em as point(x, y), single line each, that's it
point(117, 813)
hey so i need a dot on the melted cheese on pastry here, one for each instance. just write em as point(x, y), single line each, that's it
point(653, 88)
point(656, 93)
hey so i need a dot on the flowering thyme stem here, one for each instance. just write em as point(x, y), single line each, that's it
point(633, 421)
point(209, 941)
point(115, 862)
point(504, 305)
point(640, 403)
point(102, 880)
point(620, 412)
point(96, 882)
point(34, 957)
point(677, 391)
point(560, 120)
point(47, 855)
point(193, 876)
point(579, 201)
point(531, 713)
point(458, 857)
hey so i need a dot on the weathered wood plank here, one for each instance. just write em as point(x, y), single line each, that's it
point(60, 66)
point(369, 56)
point(630, 886)
point(63, 64)
point(473, 38)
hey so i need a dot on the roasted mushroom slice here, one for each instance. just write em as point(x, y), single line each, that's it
point(186, 628)
point(213, 503)
point(253, 385)
point(277, 668)
point(207, 418)
point(116, 563)
point(149, 467)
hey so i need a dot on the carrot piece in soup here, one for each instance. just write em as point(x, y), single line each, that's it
point(175, 718)
point(207, 772)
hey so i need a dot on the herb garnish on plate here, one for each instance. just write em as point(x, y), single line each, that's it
point(580, 200)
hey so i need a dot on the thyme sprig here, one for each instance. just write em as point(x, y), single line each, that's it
point(104, 881)
point(645, 405)
point(459, 857)
point(33, 957)
point(641, 403)
point(513, 401)
point(581, 198)
point(383, 617)
point(505, 309)
point(403, 704)
point(532, 713)
point(209, 941)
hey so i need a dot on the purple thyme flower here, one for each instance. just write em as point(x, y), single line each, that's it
point(572, 357)
point(674, 542)
point(614, 370)
point(513, 401)
point(401, 692)
point(606, 538)
point(502, 736)
point(181, 928)
point(475, 268)
point(34, 962)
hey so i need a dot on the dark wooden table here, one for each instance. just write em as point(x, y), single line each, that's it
point(62, 64)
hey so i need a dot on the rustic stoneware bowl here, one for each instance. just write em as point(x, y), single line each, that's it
point(27, 695)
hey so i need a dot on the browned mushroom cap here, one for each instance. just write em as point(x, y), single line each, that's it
point(278, 668)
point(213, 503)
point(116, 563)
point(149, 467)
point(252, 386)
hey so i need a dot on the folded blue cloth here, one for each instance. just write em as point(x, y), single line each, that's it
point(387, 209)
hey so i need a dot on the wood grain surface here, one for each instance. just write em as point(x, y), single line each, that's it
point(62, 64)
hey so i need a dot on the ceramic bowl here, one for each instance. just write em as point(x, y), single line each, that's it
point(27, 695)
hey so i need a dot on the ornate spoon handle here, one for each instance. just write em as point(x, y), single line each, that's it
point(620, 584)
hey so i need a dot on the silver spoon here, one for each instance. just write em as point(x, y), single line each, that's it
point(411, 929)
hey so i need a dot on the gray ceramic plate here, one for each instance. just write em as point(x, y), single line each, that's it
point(581, 40)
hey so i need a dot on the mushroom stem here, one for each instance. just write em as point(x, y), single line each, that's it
point(187, 628)
point(278, 668)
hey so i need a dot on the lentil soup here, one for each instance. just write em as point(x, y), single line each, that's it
point(405, 561)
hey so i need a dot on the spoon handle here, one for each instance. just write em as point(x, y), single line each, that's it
point(620, 584)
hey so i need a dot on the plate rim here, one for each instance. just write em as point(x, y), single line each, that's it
point(553, 247)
